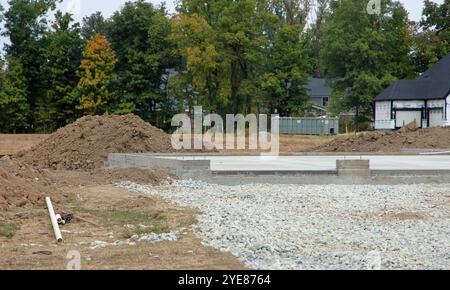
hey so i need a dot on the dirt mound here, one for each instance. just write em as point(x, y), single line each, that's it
point(22, 187)
point(85, 144)
point(409, 137)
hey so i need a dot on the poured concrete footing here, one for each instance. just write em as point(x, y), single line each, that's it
point(358, 168)
point(355, 171)
point(178, 167)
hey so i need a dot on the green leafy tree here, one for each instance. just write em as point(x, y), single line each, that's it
point(284, 85)
point(365, 53)
point(62, 48)
point(322, 13)
point(13, 98)
point(96, 74)
point(139, 33)
point(431, 35)
point(292, 12)
point(25, 23)
point(241, 34)
point(93, 25)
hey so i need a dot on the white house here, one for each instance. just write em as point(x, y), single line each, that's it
point(425, 100)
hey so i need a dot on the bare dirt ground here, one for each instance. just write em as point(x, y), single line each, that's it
point(302, 143)
point(288, 143)
point(13, 143)
point(106, 214)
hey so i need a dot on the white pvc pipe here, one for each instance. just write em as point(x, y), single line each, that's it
point(59, 219)
point(435, 153)
point(55, 225)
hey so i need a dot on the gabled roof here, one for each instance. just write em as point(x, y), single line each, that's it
point(432, 84)
point(439, 71)
point(318, 87)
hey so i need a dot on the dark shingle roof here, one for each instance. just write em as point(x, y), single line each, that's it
point(432, 84)
point(438, 72)
point(318, 87)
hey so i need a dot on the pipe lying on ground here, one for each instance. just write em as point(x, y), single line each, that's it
point(435, 153)
point(55, 225)
point(59, 219)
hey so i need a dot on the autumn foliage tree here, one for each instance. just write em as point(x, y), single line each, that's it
point(96, 74)
point(203, 62)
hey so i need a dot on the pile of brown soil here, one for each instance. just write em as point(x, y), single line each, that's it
point(85, 144)
point(409, 137)
point(22, 187)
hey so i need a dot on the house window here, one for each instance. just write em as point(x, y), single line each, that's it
point(325, 101)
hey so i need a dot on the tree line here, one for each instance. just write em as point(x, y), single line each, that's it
point(247, 56)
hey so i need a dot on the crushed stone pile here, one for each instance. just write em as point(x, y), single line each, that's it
point(86, 143)
point(409, 137)
point(23, 187)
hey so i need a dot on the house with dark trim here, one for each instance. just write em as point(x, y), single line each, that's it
point(425, 100)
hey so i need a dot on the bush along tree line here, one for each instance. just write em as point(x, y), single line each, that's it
point(249, 56)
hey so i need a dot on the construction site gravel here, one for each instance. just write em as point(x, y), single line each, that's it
point(320, 227)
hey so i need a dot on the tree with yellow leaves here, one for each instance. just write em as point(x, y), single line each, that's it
point(96, 73)
point(205, 67)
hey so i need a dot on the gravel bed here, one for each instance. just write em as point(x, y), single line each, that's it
point(271, 226)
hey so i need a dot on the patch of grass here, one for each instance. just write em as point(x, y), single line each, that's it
point(141, 222)
point(189, 221)
point(76, 201)
point(8, 229)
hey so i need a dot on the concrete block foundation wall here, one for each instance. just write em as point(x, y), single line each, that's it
point(359, 168)
point(180, 168)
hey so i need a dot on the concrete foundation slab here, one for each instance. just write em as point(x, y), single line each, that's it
point(337, 169)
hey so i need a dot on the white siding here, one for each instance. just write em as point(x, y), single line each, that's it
point(383, 119)
point(383, 111)
point(436, 117)
point(436, 104)
point(447, 115)
point(408, 104)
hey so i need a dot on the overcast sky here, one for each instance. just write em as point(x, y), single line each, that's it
point(107, 7)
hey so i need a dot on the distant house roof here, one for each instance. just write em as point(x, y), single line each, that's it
point(318, 87)
point(432, 84)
